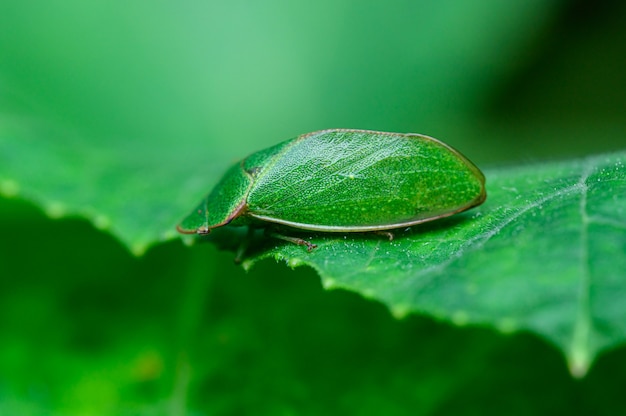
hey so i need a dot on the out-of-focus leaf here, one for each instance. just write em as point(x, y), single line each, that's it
point(127, 115)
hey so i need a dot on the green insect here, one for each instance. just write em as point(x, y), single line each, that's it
point(342, 181)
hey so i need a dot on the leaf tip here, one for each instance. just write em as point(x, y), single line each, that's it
point(102, 222)
point(328, 283)
point(169, 234)
point(294, 262)
point(9, 188)
point(460, 318)
point(368, 293)
point(507, 325)
point(578, 363)
point(400, 311)
point(139, 249)
point(55, 210)
point(247, 264)
point(188, 240)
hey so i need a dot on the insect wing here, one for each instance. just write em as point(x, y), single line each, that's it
point(350, 180)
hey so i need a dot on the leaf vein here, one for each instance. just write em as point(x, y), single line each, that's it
point(481, 239)
point(579, 355)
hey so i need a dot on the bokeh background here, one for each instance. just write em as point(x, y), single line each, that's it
point(86, 328)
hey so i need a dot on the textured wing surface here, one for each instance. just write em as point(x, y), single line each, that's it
point(350, 179)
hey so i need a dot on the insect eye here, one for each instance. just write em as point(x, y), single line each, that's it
point(254, 171)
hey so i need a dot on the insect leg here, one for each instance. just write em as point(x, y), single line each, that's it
point(387, 234)
point(295, 240)
point(243, 246)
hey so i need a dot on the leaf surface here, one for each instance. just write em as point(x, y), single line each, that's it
point(545, 253)
point(133, 191)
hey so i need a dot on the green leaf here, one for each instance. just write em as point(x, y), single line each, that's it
point(134, 192)
point(545, 253)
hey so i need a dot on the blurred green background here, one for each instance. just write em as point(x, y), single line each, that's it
point(190, 86)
